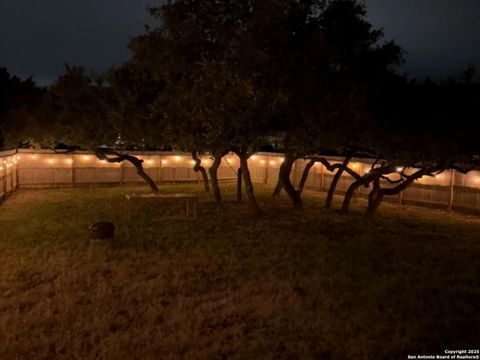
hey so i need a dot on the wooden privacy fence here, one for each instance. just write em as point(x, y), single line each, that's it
point(31, 169)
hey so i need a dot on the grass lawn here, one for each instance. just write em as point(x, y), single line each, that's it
point(288, 284)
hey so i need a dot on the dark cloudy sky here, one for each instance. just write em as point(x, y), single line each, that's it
point(37, 37)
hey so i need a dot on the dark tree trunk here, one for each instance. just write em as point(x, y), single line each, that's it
point(147, 178)
point(199, 168)
point(278, 187)
point(335, 180)
point(214, 180)
point(239, 184)
point(304, 178)
point(375, 203)
point(373, 197)
point(118, 158)
point(284, 176)
point(376, 196)
point(248, 185)
point(349, 195)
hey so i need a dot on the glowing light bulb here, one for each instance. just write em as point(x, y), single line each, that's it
point(149, 162)
point(50, 161)
point(164, 162)
point(69, 161)
point(254, 157)
point(399, 169)
point(272, 162)
point(178, 158)
point(192, 162)
point(86, 157)
point(262, 162)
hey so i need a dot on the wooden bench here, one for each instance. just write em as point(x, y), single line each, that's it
point(133, 201)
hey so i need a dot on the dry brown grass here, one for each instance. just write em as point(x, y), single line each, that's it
point(289, 284)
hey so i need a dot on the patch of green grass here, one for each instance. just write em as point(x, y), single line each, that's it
point(308, 283)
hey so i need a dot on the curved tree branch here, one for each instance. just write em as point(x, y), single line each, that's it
point(106, 154)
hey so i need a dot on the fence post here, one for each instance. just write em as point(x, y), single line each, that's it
point(322, 178)
point(160, 172)
point(122, 173)
point(15, 185)
point(73, 170)
point(451, 190)
point(4, 182)
point(267, 161)
point(12, 185)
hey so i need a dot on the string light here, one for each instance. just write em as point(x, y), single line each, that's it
point(399, 169)
point(253, 157)
point(164, 162)
point(50, 161)
point(178, 158)
point(355, 166)
point(272, 162)
point(86, 157)
point(262, 162)
point(69, 161)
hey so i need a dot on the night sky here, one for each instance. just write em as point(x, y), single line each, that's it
point(38, 37)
